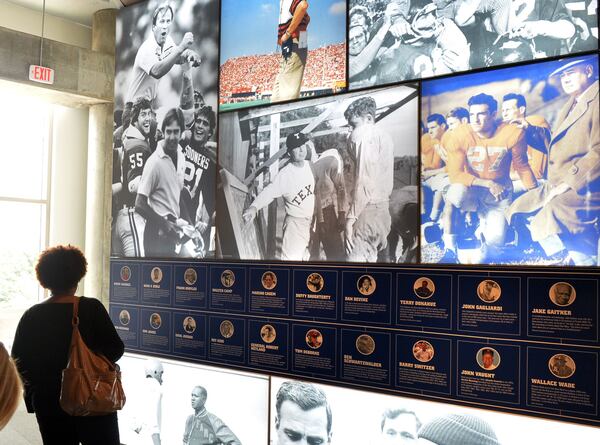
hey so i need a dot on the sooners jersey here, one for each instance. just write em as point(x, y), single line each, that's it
point(471, 157)
point(200, 175)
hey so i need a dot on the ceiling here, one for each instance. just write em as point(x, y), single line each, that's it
point(79, 11)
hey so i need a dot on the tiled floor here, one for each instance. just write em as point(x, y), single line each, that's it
point(21, 430)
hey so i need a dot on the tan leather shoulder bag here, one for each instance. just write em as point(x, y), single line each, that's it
point(91, 384)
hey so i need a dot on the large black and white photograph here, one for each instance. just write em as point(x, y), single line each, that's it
point(164, 149)
point(510, 166)
point(330, 179)
point(395, 40)
point(303, 412)
point(170, 402)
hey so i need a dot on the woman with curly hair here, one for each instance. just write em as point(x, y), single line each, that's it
point(41, 349)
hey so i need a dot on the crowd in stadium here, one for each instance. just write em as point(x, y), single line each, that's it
point(325, 66)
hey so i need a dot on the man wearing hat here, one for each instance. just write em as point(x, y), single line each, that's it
point(458, 429)
point(294, 183)
point(566, 208)
point(559, 366)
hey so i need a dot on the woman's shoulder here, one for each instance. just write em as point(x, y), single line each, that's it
point(92, 303)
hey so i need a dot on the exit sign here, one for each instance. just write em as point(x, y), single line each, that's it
point(41, 74)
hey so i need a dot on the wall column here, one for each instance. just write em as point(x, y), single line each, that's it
point(99, 171)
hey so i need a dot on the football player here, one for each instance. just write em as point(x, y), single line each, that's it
point(457, 116)
point(198, 194)
point(479, 159)
point(136, 150)
point(537, 134)
point(432, 164)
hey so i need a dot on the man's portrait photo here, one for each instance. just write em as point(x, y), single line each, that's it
point(488, 291)
point(315, 282)
point(190, 276)
point(268, 333)
point(562, 294)
point(156, 275)
point(365, 344)
point(424, 288)
point(302, 415)
point(399, 426)
point(226, 329)
point(314, 339)
point(155, 320)
point(227, 278)
point(125, 273)
point(124, 317)
point(423, 351)
point(189, 325)
point(366, 285)
point(561, 366)
point(488, 358)
point(269, 280)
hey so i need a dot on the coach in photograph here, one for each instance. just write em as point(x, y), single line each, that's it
point(292, 36)
point(160, 190)
point(295, 183)
point(303, 415)
point(157, 55)
point(368, 221)
point(566, 208)
point(204, 428)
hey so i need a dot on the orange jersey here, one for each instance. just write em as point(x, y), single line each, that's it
point(471, 156)
point(430, 159)
point(538, 136)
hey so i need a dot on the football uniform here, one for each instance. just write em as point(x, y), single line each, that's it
point(130, 225)
point(537, 136)
point(430, 158)
point(198, 193)
point(471, 157)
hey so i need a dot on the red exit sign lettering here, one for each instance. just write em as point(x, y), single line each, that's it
point(41, 74)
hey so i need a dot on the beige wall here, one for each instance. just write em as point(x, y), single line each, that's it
point(69, 175)
point(27, 20)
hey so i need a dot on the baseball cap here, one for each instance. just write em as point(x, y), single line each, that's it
point(458, 429)
point(295, 140)
point(566, 66)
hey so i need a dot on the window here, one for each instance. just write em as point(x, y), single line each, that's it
point(24, 203)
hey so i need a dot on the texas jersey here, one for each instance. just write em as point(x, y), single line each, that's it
point(471, 156)
point(430, 158)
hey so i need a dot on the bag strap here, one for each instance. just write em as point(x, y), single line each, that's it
point(75, 320)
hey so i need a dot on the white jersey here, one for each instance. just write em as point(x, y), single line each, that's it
point(297, 187)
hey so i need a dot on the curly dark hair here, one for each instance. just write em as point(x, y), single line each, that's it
point(60, 268)
point(361, 107)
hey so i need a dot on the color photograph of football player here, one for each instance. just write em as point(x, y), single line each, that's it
point(281, 50)
point(326, 179)
point(166, 67)
point(521, 176)
point(394, 40)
